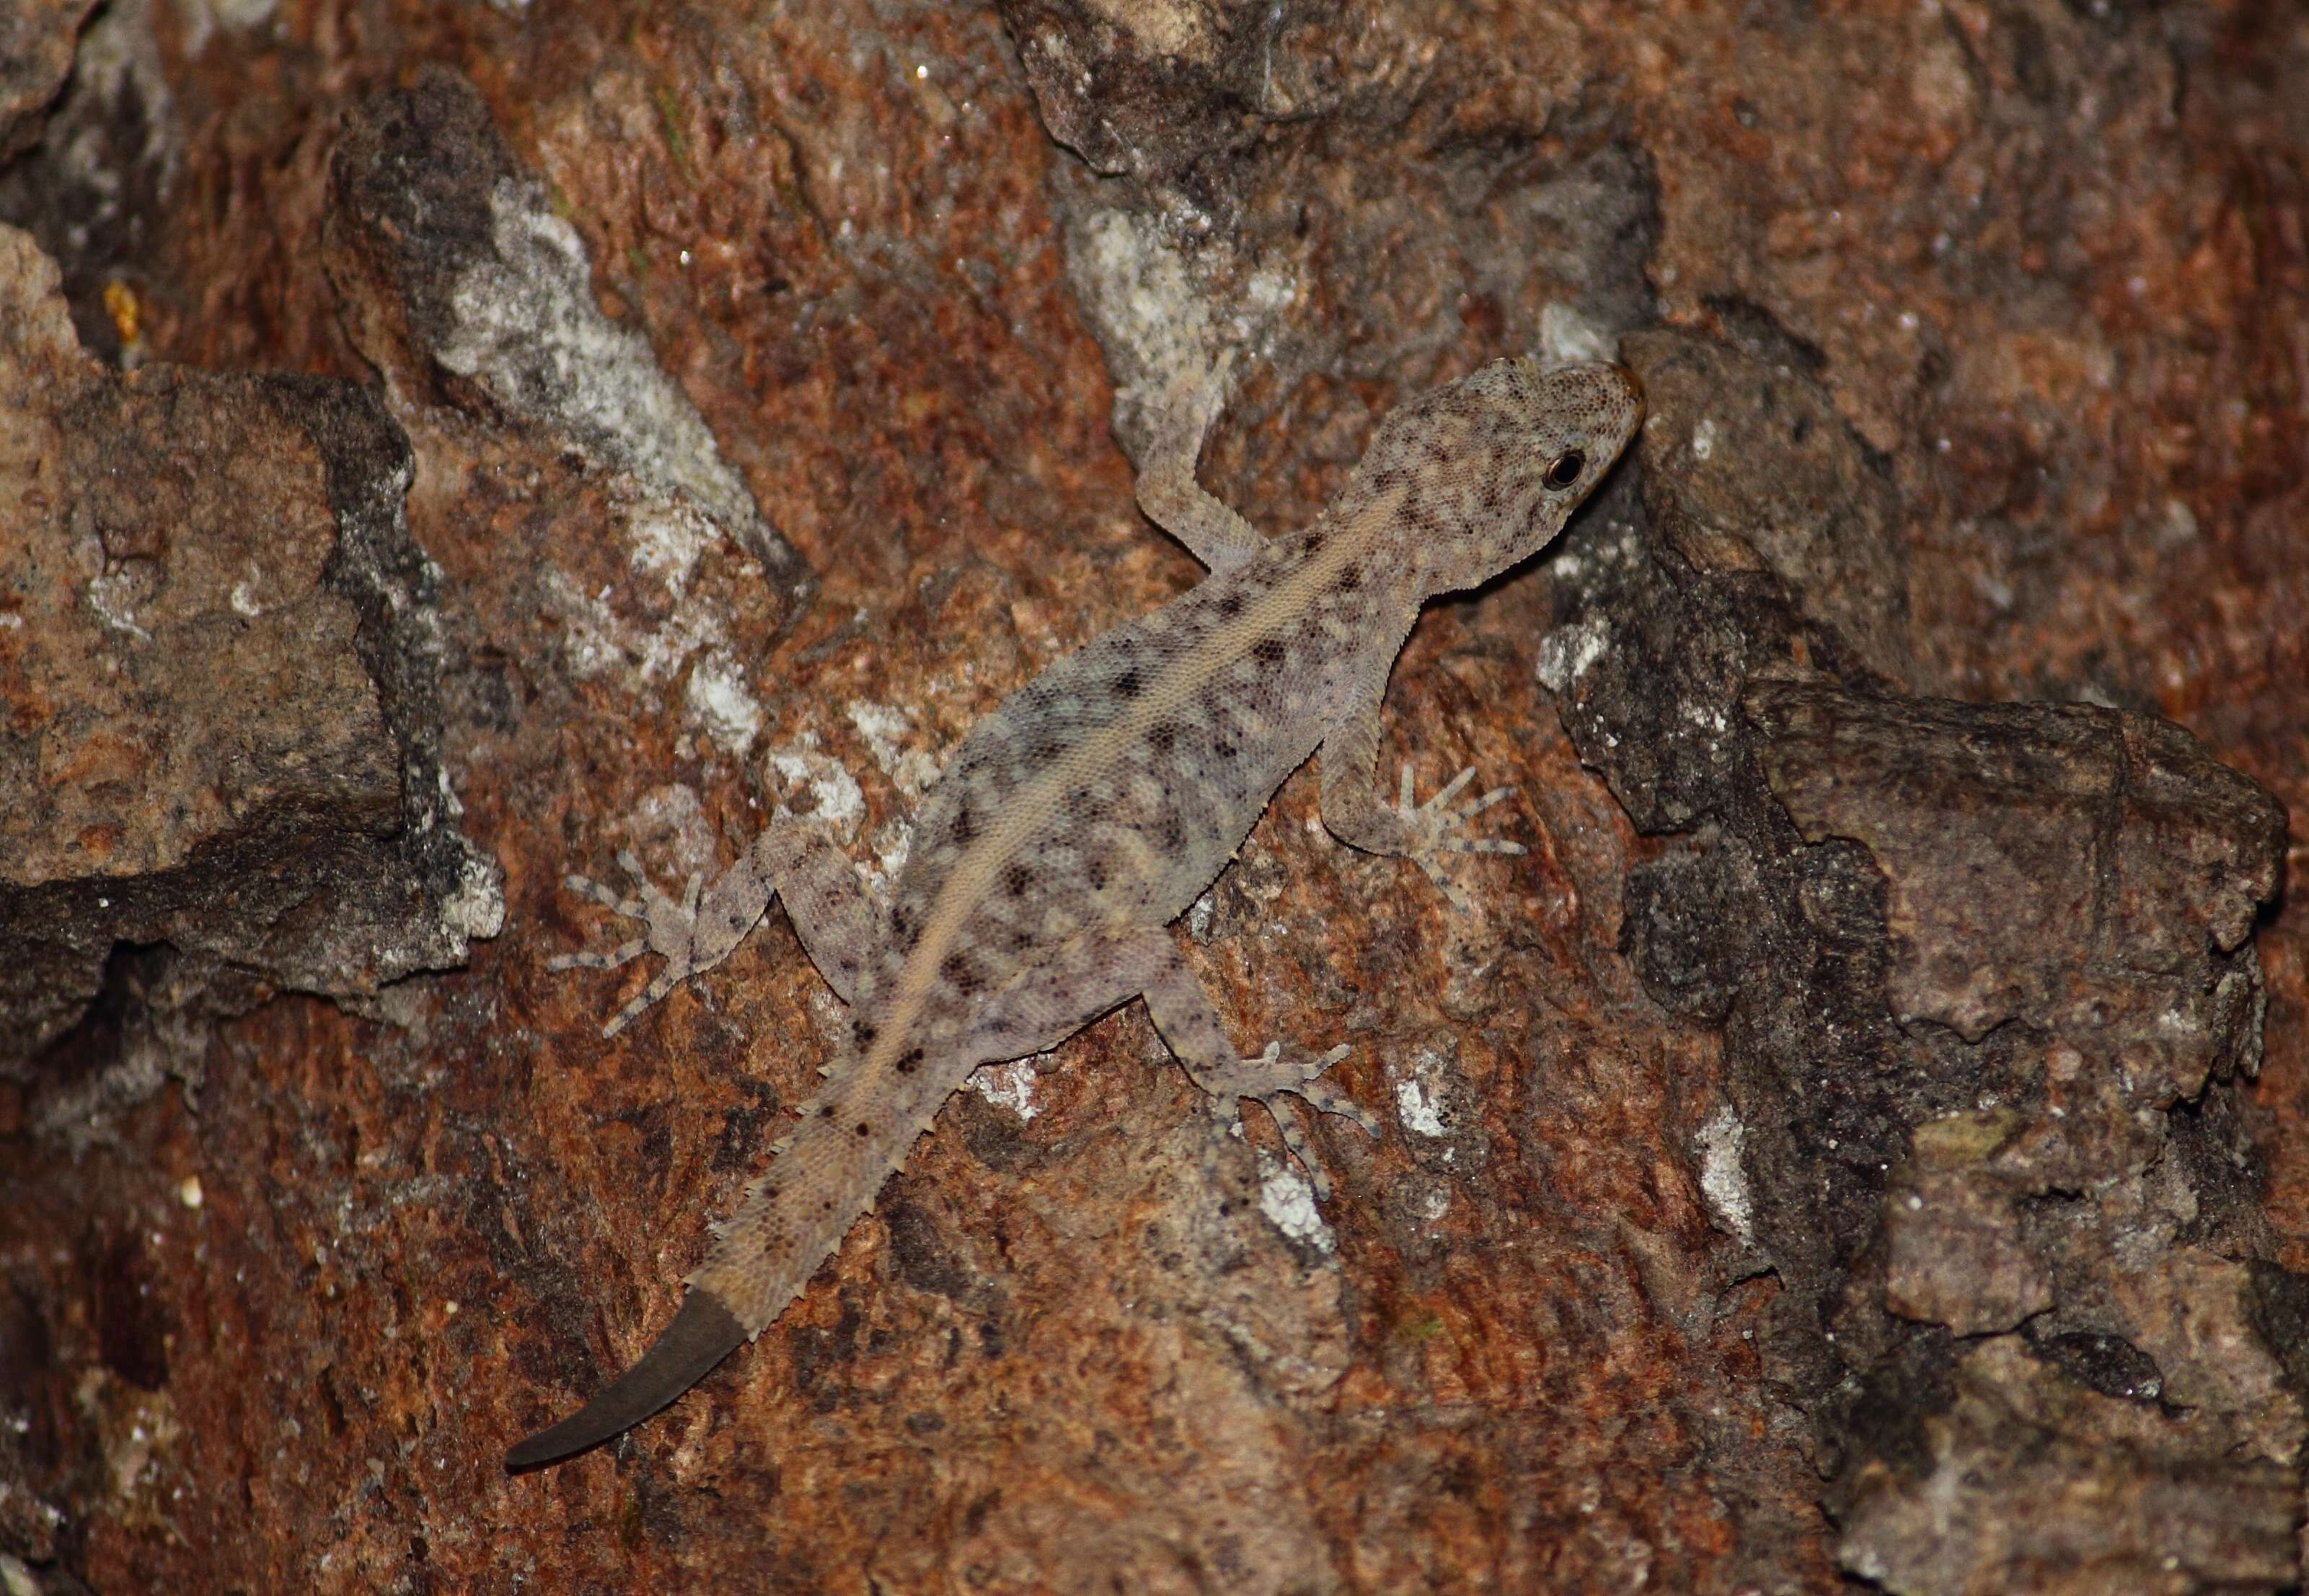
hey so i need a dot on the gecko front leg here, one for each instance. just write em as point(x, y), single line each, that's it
point(1167, 489)
point(839, 926)
point(1423, 833)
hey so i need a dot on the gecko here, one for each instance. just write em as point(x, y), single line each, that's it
point(1095, 806)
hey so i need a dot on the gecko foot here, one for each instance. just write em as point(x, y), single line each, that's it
point(1438, 827)
point(669, 928)
point(1275, 1074)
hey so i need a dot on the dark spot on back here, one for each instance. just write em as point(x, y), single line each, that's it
point(957, 969)
point(965, 827)
point(1268, 651)
point(1347, 580)
point(1229, 606)
point(826, 1112)
point(1095, 872)
point(1314, 542)
point(1016, 879)
point(909, 1061)
point(1127, 685)
point(864, 1130)
point(866, 1033)
point(1163, 738)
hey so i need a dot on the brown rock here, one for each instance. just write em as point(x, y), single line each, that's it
point(218, 676)
point(1770, 478)
point(1954, 1231)
point(2075, 864)
point(2024, 1480)
point(36, 51)
point(2011, 293)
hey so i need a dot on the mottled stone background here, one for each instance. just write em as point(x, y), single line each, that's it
point(1858, 1145)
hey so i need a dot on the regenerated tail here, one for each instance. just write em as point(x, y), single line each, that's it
point(702, 1334)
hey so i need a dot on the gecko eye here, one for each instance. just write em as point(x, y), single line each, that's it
point(1564, 470)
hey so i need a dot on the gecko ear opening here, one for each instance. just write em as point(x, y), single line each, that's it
point(702, 1334)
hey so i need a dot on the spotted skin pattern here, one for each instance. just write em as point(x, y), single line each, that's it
point(1083, 815)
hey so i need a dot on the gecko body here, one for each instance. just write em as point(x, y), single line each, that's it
point(1095, 804)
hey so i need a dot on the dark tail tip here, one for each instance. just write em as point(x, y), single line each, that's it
point(702, 1334)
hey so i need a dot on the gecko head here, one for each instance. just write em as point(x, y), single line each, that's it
point(1489, 468)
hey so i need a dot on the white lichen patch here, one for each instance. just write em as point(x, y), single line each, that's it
point(477, 908)
point(1570, 652)
point(1723, 1180)
point(1288, 1202)
point(596, 640)
point(885, 729)
point(1138, 287)
point(720, 703)
point(1416, 1109)
point(527, 326)
point(1422, 1103)
point(119, 64)
point(113, 597)
point(835, 803)
point(1199, 917)
point(1009, 1086)
point(1163, 30)
point(666, 537)
point(1566, 336)
point(882, 727)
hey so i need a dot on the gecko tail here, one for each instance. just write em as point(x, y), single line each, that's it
point(702, 1334)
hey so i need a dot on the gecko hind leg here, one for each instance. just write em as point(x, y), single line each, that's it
point(1191, 1028)
point(1097, 970)
point(839, 926)
point(668, 927)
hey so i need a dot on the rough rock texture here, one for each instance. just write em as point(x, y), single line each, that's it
point(1832, 1158)
point(1985, 988)
point(221, 671)
point(35, 52)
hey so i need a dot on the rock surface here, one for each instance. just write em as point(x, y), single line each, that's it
point(221, 668)
point(1858, 1144)
point(35, 52)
